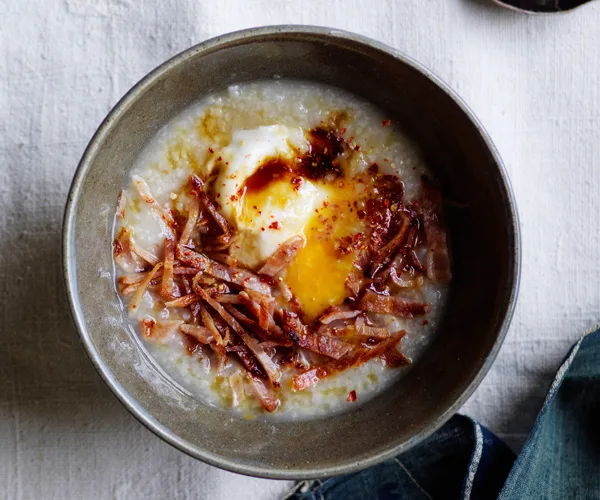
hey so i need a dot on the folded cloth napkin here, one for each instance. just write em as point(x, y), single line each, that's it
point(464, 460)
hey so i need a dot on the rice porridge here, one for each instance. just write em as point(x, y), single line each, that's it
point(280, 250)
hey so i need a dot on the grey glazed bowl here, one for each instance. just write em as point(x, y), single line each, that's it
point(485, 236)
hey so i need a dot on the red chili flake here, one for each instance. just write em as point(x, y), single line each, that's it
point(212, 151)
point(425, 322)
point(255, 207)
point(262, 228)
point(357, 148)
point(219, 158)
point(343, 131)
point(325, 203)
point(361, 214)
point(233, 197)
point(374, 169)
point(275, 225)
point(351, 397)
point(218, 195)
point(385, 123)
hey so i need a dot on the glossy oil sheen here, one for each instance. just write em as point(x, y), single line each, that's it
point(485, 247)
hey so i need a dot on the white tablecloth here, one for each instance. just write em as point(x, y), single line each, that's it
point(533, 81)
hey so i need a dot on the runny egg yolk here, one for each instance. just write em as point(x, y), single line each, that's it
point(317, 275)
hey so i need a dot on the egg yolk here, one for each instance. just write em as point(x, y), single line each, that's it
point(317, 275)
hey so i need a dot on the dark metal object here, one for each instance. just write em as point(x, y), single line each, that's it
point(542, 5)
point(485, 236)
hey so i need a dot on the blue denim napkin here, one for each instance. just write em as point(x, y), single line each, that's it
point(464, 460)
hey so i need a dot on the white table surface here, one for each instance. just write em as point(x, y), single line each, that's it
point(533, 81)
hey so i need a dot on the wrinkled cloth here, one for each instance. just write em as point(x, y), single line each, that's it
point(464, 460)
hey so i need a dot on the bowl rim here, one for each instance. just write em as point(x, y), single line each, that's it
point(70, 277)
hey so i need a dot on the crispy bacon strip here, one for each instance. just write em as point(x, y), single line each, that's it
point(200, 333)
point(168, 288)
point(198, 187)
point(284, 289)
point(162, 215)
point(321, 344)
point(357, 357)
point(414, 282)
point(354, 281)
point(249, 361)
point(338, 313)
point(253, 344)
point(228, 298)
point(386, 253)
point(221, 356)
point(209, 323)
point(257, 310)
point(393, 358)
point(192, 220)
point(131, 279)
point(139, 293)
point(389, 304)
point(283, 256)
point(142, 252)
point(240, 277)
point(438, 258)
point(265, 395)
point(123, 253)
point(191, 258)
point(156, 330)
point(184, 301)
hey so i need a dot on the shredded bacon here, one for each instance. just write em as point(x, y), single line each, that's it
point(191, 258)
point(357, 357)
point(285, 291)
point(162, 215)
point(393, 358)
point(184, 301)
point(221, 356)
point(139, 293)
point(321, 344)
point(193, 215)
point(236, 312)
point(209, 323)
point(400, 281)
point(438, 258)
point(338, 313)
point(283, 256)
point(354, 282)
point(168, 288)
point(142, 252)
point(200, 333)
point(198, 187)
point(157, 330)
point(228, 298)
point(123, 254)
point(267, 363)
point(389, 249)
point(265, 395)
point(388, 304)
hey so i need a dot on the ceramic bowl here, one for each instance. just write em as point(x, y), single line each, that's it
point(485, 248)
